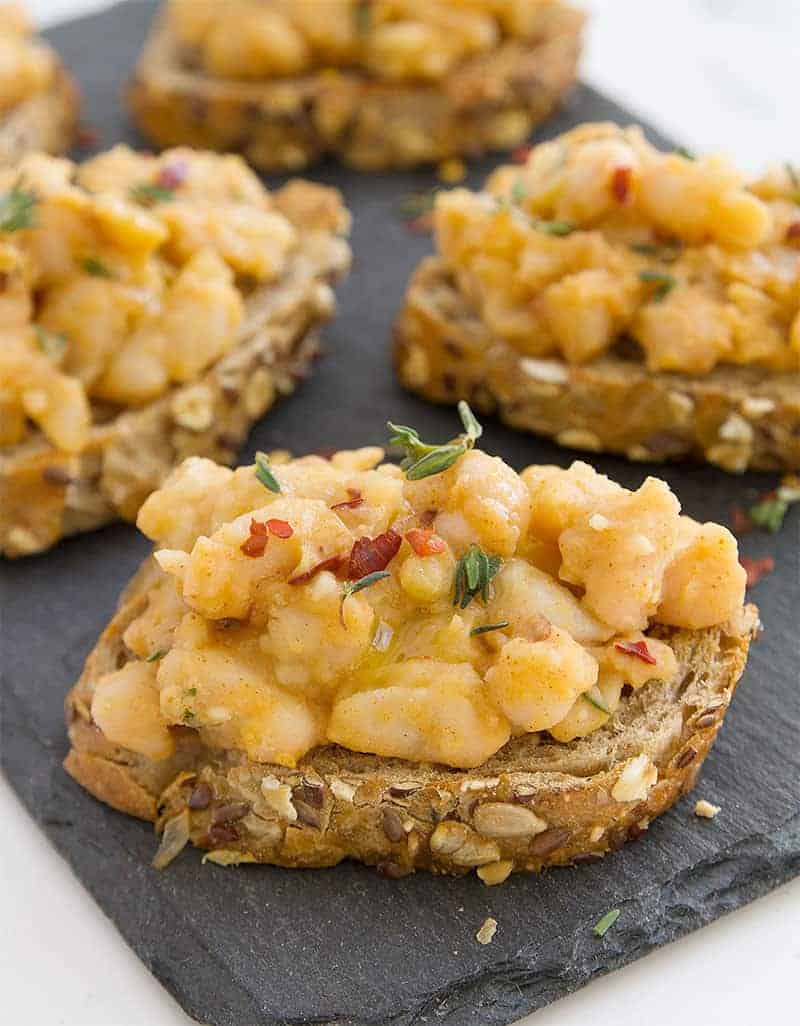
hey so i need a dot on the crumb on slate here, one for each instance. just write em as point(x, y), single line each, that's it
point(705, 809)
point(486, 933)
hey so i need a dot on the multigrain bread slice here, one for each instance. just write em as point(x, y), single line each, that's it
point(46, 495)
point(489, 102)
point(534, 803)
point(738, 418)
point(44, 121)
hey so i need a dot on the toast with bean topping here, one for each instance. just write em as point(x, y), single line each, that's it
point(618, 299)
point(378, 85)
point(154, 308)
point(38, 98)
point(442, 665)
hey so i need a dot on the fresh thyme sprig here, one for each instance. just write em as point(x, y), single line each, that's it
point(17, 209)
point(423, 460)
point(95, 267)
point(264, 473)
point(474, 573)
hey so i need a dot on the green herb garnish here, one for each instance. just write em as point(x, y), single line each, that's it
point(769, 513)
point(662, 279)
point(187, 715)
point(474, 573)
point(264, 473)
point(351, 587)
point(51, 344)
point(555, 227)
point(794, 178)
point(423, 460)
point(362, 14)
point(683, 152)
point(158, 654)
point(518, 192)
point(191, 692)
point(150, 194)
point(95, 267)
point(486, 627)
point(17, 210)
point(417, 203)
point(594, 697)
point(604, 923)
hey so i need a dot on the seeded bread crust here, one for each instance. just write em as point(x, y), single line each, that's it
point(533, 804)
point(737, 418)
point(46, 121)
point(46, 495)
point(489, 102)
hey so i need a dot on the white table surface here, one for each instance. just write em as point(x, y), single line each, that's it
point(718, 74)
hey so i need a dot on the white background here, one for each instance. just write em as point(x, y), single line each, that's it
point(717, 74)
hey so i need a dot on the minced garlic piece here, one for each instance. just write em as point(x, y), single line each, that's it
point(705, 809)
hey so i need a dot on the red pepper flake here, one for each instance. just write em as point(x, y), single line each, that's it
point(172, 176)
point(638, 649)
point(87, 137)
point(332, 563)
point(422, 224)
point(424, 542)
point(757, 568)
point(369, 555)
point(356, 499)
point(621, 183)
point(280, 528)
point(257, 542)
point(740, 521)
point(520, 154)
point(793, 233)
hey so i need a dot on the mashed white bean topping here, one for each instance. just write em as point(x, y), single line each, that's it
point(430, 611)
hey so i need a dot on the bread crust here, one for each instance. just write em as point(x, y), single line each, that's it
point(493, 101)
point(738, 418)
point(45, 121)
point(46, 495)
point(401, 816)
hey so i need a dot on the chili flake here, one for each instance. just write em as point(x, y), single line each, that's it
point(638, 649)
point(424, 542)
point(280, 528)
point(333, 563)
point(520, 154)
point(356, 499)
point(621, 183)
point(370, 555)
point(756, 568)
point(793, 232)
point(255, 545)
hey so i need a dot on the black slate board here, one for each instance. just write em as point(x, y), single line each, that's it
point(258, 945)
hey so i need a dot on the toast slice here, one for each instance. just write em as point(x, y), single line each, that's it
point(492, 101)
point(46, 495)
point(738, 418)
point(541, 802)
point(45, 121)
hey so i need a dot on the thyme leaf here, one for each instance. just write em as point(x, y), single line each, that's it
point(604, 923)
point(17, 209)
point(351, 587)
point(264, 473)
point(662, 279)
point(486, 627)
point(474, 573)
point(150, 194)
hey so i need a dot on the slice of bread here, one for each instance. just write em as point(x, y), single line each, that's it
point(739, 418)
point(489, 102)
point(535, 803)
point(46, 495)
point(45, 121)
